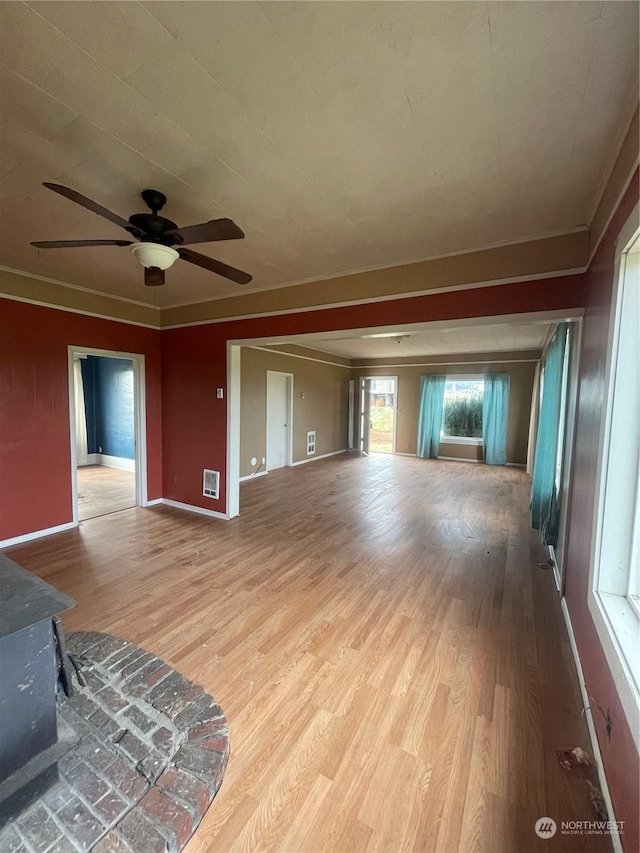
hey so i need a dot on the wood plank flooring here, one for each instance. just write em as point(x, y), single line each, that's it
point(391, 658)
point(102, 490)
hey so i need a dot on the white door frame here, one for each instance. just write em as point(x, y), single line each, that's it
point(395, 409)
point(289, 408)
point(234, 396)
point(140, 420)
point(364, 427)
point(352, 415)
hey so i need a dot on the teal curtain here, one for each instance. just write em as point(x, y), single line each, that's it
point(545, 498)
point(495, 418)
point(430, 415)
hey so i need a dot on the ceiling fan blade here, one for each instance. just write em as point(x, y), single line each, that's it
point(153, 277)
point(93, 206)
point(67, 244)
point(207, 232)
point(213, 265)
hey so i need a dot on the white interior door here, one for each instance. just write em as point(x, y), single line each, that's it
point(278, 409)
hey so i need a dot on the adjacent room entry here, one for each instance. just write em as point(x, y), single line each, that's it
point(378, 414)
point(105, 424)
point(279, 417)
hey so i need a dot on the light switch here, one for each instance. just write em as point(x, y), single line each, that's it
point(220, 393)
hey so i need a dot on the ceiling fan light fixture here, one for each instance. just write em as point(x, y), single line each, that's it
point(155, 255)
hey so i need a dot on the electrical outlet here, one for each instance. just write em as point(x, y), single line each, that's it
point(263, 460)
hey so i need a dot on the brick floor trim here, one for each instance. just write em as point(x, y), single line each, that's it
point(152, 754)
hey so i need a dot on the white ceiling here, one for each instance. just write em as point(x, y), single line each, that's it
point(438, 340)
point(339, 136)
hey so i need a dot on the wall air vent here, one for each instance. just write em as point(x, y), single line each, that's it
point(211, 484)
point(311, 442)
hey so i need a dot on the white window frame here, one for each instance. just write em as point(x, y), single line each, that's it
point(633, 585)
point(616, 522)
point(461, 439)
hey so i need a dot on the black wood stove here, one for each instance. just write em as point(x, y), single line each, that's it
point(29, 744)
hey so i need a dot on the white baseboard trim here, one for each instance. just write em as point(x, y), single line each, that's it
point(92, 459)
point(253, 476)
point(481, 461)
point(556, 567)
point(595, 746)
point(154, 502)
point(115, 462)
point(460, 459)
point(197, 509)
point(37, 534)
point(315, 458)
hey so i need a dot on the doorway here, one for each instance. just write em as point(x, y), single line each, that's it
point(107, 436)
point(378, 401)
point(279, 419)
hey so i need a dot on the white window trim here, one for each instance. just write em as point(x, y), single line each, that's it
point(614, 616)
point(460, 439)
point(634, 569)
point(473, 441)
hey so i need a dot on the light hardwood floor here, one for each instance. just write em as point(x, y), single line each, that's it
point(102, 490)
point(391, 658)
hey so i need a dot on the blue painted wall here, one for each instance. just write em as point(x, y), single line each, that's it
point(108, 399)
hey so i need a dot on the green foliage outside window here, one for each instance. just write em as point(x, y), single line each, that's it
point(463, 417)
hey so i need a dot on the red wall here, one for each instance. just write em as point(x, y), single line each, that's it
point(619, 754)
point(187, 432)
point(194, 423)
point(35, 453)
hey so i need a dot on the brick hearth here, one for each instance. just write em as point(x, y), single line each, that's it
point(152, 752)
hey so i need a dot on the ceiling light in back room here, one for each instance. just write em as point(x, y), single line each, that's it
point(388, 335)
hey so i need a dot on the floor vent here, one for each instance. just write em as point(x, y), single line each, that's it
point(211, 484)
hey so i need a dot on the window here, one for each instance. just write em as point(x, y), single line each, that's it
point(614, 599)
point(462, 410)
point(383, 393)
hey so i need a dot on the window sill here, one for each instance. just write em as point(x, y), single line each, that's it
point(460, 439)
point(618, 628)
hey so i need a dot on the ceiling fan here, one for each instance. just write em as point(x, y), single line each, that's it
point(156, 237)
